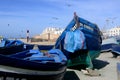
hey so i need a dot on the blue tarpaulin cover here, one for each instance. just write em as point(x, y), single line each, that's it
point(74, 40)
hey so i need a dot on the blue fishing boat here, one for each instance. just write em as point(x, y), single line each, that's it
point(85, 47)
point(50, 65)
point(28, 46)
point(10, 46)
point(13, 46)
point(115, 51)
point(116, 48)
point(108, 43)
point(45, 47)
point(79, 44)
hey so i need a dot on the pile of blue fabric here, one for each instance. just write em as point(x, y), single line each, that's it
point(55, 55)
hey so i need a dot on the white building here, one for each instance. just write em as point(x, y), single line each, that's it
point(114, 31)
point(53, 30)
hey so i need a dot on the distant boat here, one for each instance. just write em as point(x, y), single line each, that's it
point(118, 39)
point(13, 46)
point(116, 48)
point(115, 51)
point(107, 44)
point(10, 46)
point(34, 64)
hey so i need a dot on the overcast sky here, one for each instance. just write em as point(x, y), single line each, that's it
point(17, 16)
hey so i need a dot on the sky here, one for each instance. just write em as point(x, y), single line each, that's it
point(18, 16)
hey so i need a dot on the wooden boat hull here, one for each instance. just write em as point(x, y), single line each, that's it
point(107, 44)
point(93, 43)
point(16, 65)
point(7, 71)
point(115, 50)
point(45, 47)
point(15, 49)
point(11, 49)
point(107, 47)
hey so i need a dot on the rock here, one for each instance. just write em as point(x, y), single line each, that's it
point(91, 72)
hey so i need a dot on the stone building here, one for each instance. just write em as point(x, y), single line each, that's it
point(49, 34)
